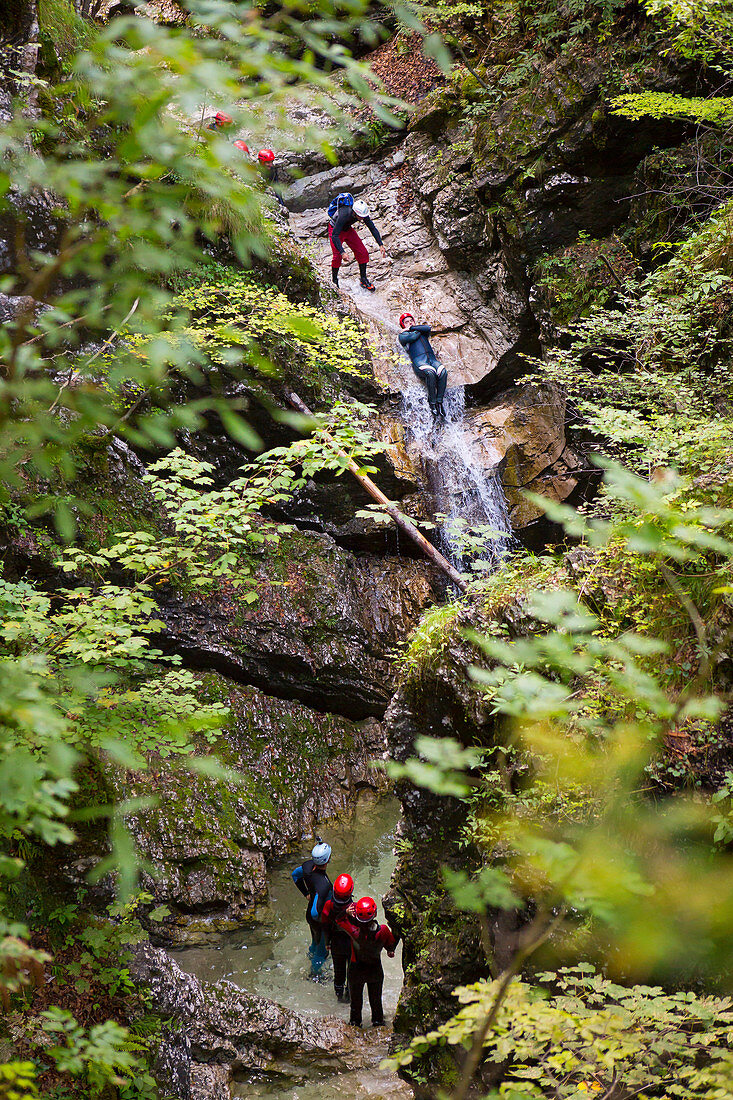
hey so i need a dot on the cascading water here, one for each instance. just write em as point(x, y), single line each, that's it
point(470, 498)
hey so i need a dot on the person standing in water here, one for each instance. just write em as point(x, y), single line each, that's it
point(368, 940)
point(343, 215)
point(314, 884)
point(338, 941)
point(415, 340)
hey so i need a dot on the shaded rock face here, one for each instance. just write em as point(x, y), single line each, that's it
point(525, 430)
point(206, 841)
point(322, 630)
point(221, 1031)
point(442, 946)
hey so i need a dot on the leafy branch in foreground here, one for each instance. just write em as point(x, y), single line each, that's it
point(596, 868)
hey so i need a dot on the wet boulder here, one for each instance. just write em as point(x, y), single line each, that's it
point(229, 1032)
point(321, 631)
point(522, 434)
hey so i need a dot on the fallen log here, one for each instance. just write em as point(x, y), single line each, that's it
point(376, 493)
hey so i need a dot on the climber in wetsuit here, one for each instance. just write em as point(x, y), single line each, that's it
point(338, 941)
point(415, 340)
point(313, 882)
point(368, 939)
point(270, 174)
point(343, 215)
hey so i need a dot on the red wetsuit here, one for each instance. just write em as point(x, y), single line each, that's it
point(367, 943)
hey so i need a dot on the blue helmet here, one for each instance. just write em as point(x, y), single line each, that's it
point(321, 853)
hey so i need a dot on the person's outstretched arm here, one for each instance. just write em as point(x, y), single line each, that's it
point(339, 224)
point(374, 231)
point(386, 939)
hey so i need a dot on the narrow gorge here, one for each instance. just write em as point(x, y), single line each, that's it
point(217, 649)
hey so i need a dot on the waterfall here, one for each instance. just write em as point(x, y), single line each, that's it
point(470, 497)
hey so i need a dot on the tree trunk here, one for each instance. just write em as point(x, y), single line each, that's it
point(376, 493)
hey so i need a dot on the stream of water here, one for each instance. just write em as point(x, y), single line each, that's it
point(270, 958)
point(467, 494)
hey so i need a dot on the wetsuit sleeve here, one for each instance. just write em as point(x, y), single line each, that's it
point(421, 330)
point(385, 938)
point(339, 224)
point(297, 877)
point(373, 230)
point(407, 338)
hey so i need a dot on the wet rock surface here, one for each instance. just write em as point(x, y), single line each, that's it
point(206, 841)
point(221, 1031)
point(322, 630)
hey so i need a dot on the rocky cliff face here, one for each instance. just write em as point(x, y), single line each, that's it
point(467, 210)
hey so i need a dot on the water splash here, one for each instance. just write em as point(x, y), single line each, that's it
point(470, 496)
point(466, 493)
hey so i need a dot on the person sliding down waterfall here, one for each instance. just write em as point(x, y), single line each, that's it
point(343, 214)
point(337, 940)
point(415, 339)
point(313, 882)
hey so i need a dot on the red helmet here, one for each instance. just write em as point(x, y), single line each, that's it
point(266, 156)
point(242, 145)
point(365, 910)
point(222, 119)
point(343, 888)
point(404, 317)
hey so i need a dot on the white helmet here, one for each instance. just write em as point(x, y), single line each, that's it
point(361, 209)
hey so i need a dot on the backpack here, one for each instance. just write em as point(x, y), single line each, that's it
point(345, 198)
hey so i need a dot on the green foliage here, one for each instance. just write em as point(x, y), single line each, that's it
point(62, 28)
point(135, 186)
point(560, 816)
point(590, 1035)
point(701, 32)
point(235, 321)
point(650, 375)
point(103, 1056)
point(428, 640)
point(716, 110)
point(18, 1081)
point(583, 276)
point(439, 770)
point(90, 966)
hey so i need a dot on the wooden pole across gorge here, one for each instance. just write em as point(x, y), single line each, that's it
point(376, 493)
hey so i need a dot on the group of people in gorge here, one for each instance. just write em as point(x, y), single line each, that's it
point(349, 930)
point(345, 214)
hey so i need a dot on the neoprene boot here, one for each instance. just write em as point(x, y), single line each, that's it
point(441, 410)
point(335, 276)
point(434, 409)
point(364, 278)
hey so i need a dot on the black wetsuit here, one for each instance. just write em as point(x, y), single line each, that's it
point(314, 884)
point(339, 942)
point(344, 219)
point(416, 342)
point(365, 967)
